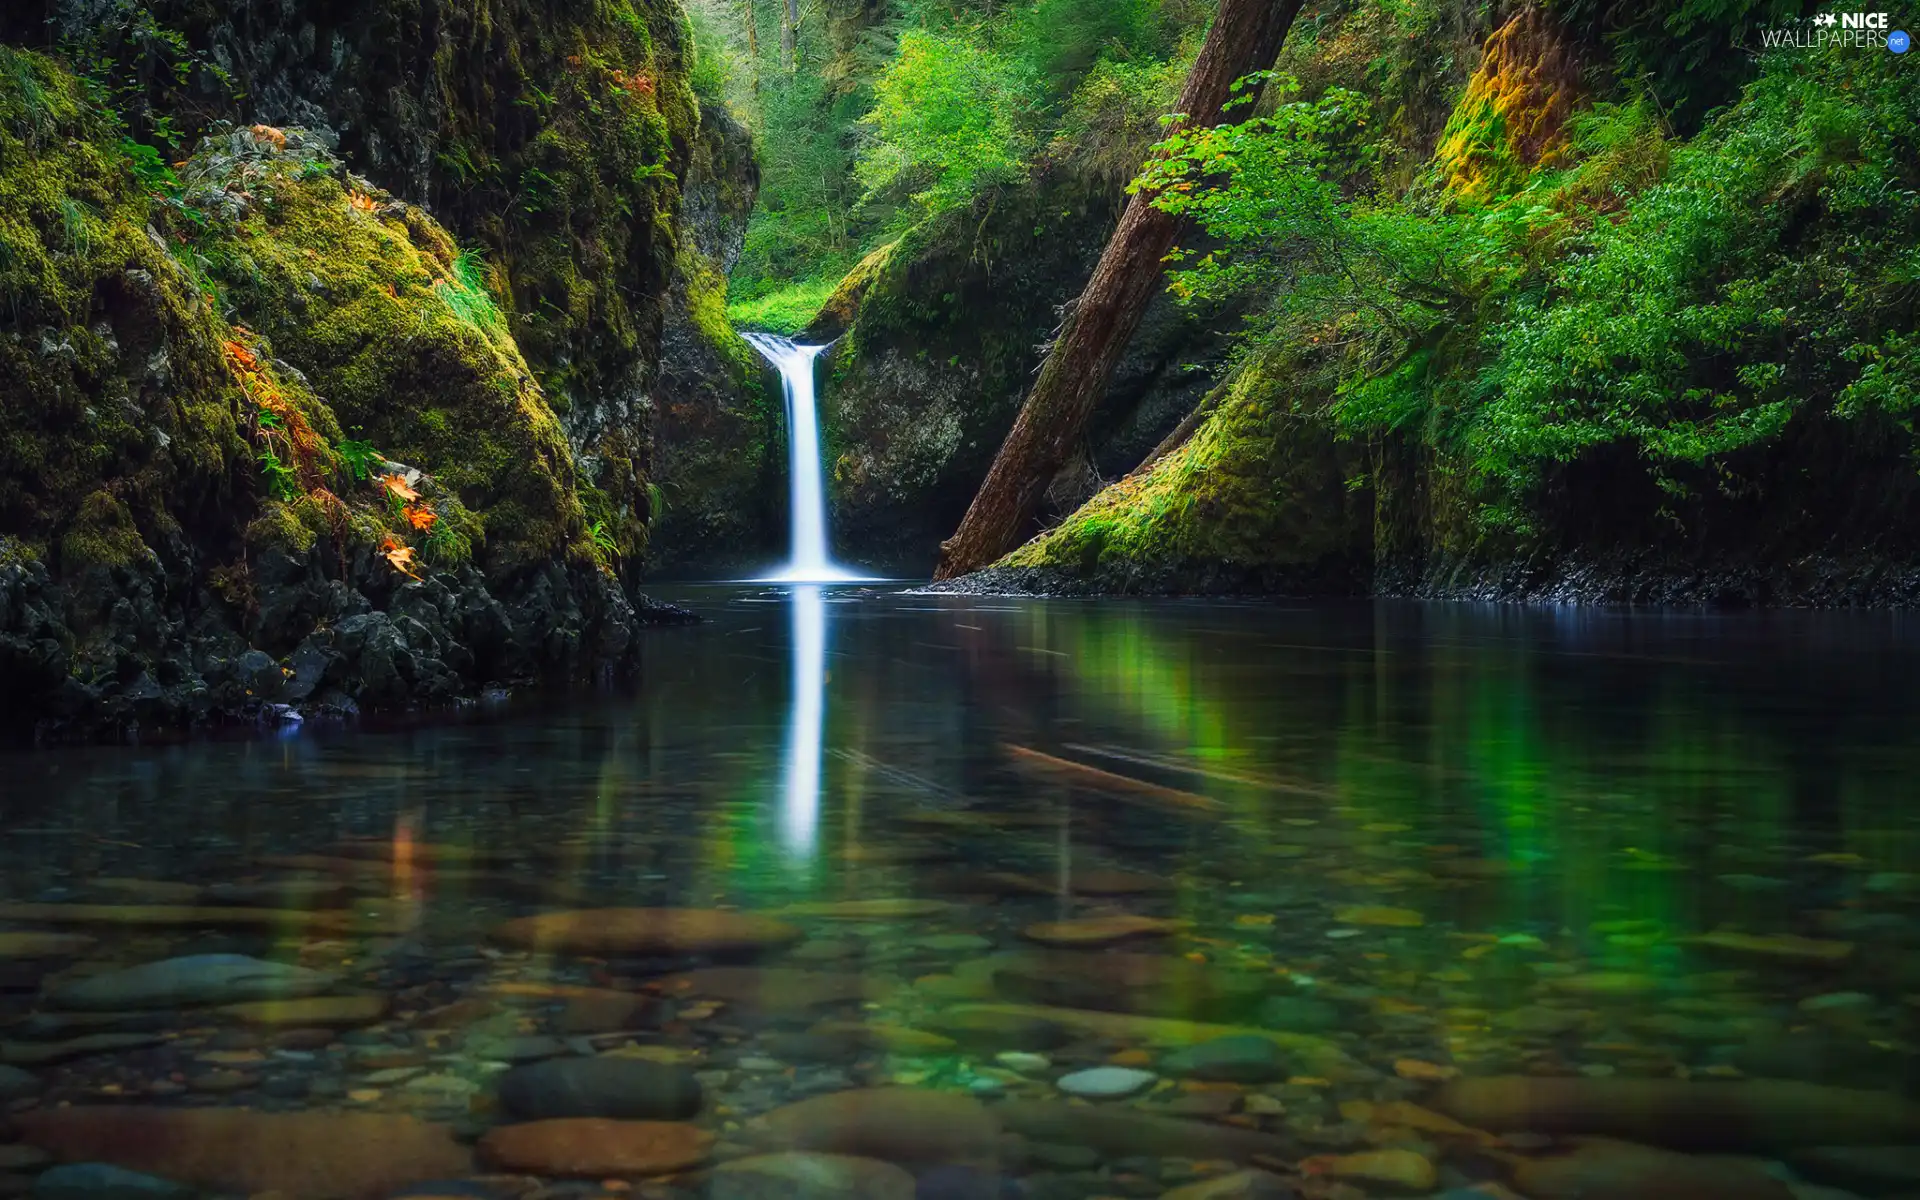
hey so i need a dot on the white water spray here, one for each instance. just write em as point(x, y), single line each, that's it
point(807, 558)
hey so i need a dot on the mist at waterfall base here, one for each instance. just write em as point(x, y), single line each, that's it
point(808, 560)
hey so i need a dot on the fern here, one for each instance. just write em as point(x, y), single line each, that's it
point(360, 458)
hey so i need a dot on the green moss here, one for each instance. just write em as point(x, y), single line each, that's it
point(1511, 118)
point(394, 326)
point(91, 305)
point(787, 311)
point(101, 534)
point(283, 526)
point(1256, 495)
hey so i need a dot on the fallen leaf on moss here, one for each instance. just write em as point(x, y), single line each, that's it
point(397, 484)
point(400, 557)
point(420, 516)
point(270, 135)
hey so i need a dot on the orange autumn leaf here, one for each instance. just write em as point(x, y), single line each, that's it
point(362, 201)
point(400, 557)
point(420, 516)
point(396, 484)
point(240, 354)
point(270, 135)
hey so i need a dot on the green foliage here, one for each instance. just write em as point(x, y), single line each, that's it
point(1692, 55)
point(950, 116)
point(1776, 260)
point(1676, 302)
point(360, 458)
point(901, 111)
point(786, 311)
point(150, 167)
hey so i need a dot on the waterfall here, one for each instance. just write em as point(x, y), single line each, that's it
point(807, 558)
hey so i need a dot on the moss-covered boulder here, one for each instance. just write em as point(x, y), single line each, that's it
point(265, 440)
point(1254, 501)
point(552, 136)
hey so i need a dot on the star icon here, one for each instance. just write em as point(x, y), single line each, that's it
point(1826, 18)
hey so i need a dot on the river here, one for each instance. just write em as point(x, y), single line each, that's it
point(1427, 839)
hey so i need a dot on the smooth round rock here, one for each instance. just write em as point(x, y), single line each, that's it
point(803, 1176)
point(593, 1148)
point(1242, 1058)
point(99, 1181)
point(648, 931)
point(192, 980)
point(898, 1124)
point(1099, 931)
point(16, 1084)
point(983, 1029)
point(1106, 1083)
point(626, 1088)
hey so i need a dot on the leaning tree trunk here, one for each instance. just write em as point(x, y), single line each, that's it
point(1246, 36)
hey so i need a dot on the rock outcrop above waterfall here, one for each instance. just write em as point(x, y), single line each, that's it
point(718, 427)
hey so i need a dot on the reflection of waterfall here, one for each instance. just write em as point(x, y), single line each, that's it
point(807, 560)
point(800, 809)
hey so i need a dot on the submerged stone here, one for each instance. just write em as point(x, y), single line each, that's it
point(17, 1084)
point(100, 1181)
point(1757, 1115)
point(1782, 947)
point(1156, 984)
point(648, 931)
point(1242, 1058)
point(1600, 1169)
point(33, 944)
point(775, 989)
point(1100, 931)
point(194, 980)
point(313, 1155)
point(879, 909)
point(1402, 1171)
point(311, 1012)
point(1241, 1185)
point(600, 1087)
point(896, 1124)
point(593, 1148)
point(1106, 1083)
point(1119, 1131)
point(804, 1176)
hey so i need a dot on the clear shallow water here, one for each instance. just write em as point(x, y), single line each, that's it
point(1438, 838)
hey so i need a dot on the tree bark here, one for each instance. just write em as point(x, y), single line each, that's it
point(790, 36)
point(1246, 36)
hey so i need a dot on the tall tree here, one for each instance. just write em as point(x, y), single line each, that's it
point(790, 35)
point(1245, 37)
point(753, 43)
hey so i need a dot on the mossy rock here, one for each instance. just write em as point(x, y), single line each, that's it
point(369, 299)
point(1254, 501)
point(118, 418)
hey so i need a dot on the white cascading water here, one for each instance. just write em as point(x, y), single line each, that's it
point(807, 558)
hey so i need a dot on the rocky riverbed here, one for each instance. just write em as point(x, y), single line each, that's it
point(412, 1019)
